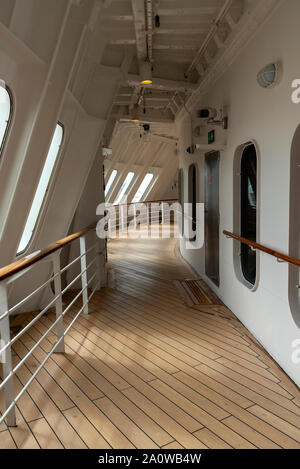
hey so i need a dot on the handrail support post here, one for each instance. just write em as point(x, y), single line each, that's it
point(100, 258)
point(58, 303)
point(84, 280)
point(7, 358)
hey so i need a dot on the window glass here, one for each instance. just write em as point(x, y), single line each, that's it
point(124, 188)
point(5, 113)
point(181, 197)
point(143, 187)
point(180, 188)
point(248, 211)
point(42, 188)
point(193, 196)
point(110, 181)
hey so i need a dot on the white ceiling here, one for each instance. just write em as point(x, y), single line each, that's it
point(190, 35)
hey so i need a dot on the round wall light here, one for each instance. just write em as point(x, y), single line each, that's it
point(270, 75)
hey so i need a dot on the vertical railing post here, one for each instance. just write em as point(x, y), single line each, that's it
point(100, 256)
point(163, 213)
point(134, 217)
point(6, 356)
point(149, 218)
point(121, 217)
point(58, 302)
point(84, 280)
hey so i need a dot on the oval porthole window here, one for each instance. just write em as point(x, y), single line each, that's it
point(248, 211)
point(246, 206)
point(192, 194)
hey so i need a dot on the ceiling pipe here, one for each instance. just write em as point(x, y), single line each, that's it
point(223, 12)
point(149, 32)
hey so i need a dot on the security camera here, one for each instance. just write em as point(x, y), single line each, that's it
point(213, 117)
point(191, 149)
point(207, 113)
point(106, 151)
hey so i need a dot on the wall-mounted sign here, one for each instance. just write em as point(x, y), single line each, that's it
point(211, 137)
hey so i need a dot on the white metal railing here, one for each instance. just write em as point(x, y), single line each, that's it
point(153, 212)
point(90, 280)
point(90, 268)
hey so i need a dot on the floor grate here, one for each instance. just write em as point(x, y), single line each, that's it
point(196, 292)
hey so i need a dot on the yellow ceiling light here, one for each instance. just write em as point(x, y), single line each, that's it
point(135, 114)
point(146, 73)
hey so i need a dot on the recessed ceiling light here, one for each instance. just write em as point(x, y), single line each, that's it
point(146, 73)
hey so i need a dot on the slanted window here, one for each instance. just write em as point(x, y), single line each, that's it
point(143, 187)
point(248, 211)
point(110, 181)
point(124, 188)
point(42, 188)
point(5, 113)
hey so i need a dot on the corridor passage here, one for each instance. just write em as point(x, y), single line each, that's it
point(146, 370)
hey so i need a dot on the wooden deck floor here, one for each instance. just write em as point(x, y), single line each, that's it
point(145, 371)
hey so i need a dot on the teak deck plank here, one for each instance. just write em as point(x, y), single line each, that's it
point(144, 370)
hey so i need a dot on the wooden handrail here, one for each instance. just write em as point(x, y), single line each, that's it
point(25, 262)
point(28, 261)
point(260, 247)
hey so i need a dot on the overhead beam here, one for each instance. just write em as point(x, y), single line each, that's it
point(213, 30)
point(118, 42)
point(190, 4)
point(162, 84)
point(117, 11)
point(153, 95)
point(149, 29)
point(178, 30)
point(254, 15)
point(147, 119)
point(124, 101)
point(139, 15)
point(169, 46)
point(187, 11)
point(127, 60)
point(163, 138)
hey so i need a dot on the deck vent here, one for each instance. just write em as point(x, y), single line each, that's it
point(196, 292)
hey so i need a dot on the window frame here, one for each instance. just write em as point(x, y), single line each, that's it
point(180, 177)
point(9, 122)
point(128, 188)
point(294, 227)
point(237, 217)
point(147, 188)
point(193, 196)
point(47, 192)
point(107, 191)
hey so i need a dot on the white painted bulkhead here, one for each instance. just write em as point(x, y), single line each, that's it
point(270, 118)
